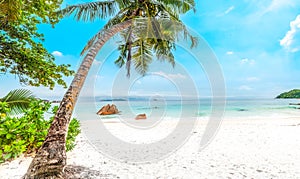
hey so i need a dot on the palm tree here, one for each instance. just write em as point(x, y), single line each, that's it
point(50, 160)
point(17, 101)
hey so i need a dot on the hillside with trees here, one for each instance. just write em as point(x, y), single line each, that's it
point(295, 93)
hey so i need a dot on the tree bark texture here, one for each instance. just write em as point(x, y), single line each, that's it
point(50, 159)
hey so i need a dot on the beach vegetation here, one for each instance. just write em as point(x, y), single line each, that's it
point(25, 134)
point(21, 50)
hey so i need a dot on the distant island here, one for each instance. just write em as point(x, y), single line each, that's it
point(295, 93)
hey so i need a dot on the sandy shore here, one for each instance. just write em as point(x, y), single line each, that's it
point(242, 148)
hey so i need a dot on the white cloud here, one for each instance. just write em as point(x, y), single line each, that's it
point(269, 6)
point(247, 61)
point(229, 10)
point(291, 40)
point(57, 53)
point(245, 88)
point(170, 76)
point(244, 60)
point(251, 79)
point(229, 53)
point(277, 4)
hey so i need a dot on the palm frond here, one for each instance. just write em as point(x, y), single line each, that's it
point(179, 6)
point(123, 3)
point(177, 26)
point(163, 51)
point(156, 29)
point(121, 59)
point(126, 50)
point(90, 11)
point(18, 100)
point(142, 56)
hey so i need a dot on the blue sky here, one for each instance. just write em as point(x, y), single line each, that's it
point(256, 42)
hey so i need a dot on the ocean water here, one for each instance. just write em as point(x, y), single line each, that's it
point(169, 109)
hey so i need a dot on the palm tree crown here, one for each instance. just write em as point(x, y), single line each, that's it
point(135, 46)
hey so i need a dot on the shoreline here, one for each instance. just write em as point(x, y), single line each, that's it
point(242, 148)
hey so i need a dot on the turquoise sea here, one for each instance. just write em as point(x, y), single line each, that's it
point(168, 109)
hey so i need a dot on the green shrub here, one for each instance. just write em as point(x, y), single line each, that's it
point(26, 134)
point(74, 130)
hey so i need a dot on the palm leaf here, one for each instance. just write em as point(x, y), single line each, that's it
point(178, 24)
point(90, 11)
point(142, 56)
point(123, 3)
point(126, 49)
point(18, 100)
point(163, 51)
point(179, 6)
point(121, 59)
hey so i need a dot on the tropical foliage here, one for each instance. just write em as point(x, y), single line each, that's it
point(295, 93)
point(137, 46)
point(26, 134)
point(16, 101)
point(21, 49)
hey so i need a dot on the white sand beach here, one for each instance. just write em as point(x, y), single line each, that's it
point(242, 148)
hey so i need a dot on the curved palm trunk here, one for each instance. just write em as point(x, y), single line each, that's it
point(50, 159)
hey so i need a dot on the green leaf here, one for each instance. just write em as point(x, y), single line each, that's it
point(7, 148)
point(31, 139)
point(7, 156)
point(90, 11)
point(8, 136)
point(2, 131)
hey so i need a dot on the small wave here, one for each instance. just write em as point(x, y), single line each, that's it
point(283, 107)
point(109, 117)
point(143, 108)
point(114, 99)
